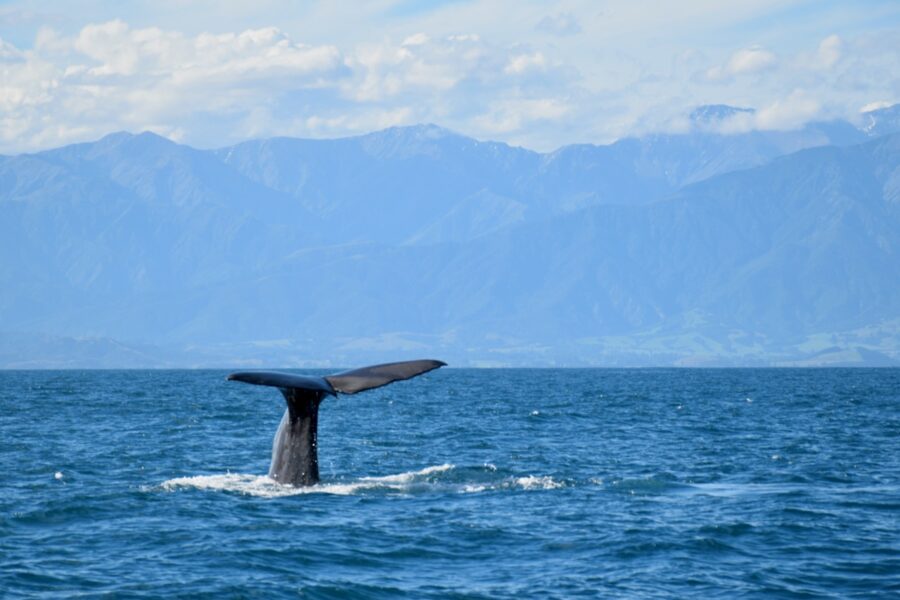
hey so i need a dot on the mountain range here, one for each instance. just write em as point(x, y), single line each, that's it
point(700, 248)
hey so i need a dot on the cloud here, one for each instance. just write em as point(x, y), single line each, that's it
point(511, 115)
point(212, 89)
point(744, 62)
point(830, 51)
point(417, 66)
point(561, 24)
point(873, 106)
point(788, 113)
point(416, 40)
point(110, 76)
point(522, 63)
point(9, 53)
point(328, 73)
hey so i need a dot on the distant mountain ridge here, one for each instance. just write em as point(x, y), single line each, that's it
point(679, 249)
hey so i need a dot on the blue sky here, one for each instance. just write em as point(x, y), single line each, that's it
point(537, 74)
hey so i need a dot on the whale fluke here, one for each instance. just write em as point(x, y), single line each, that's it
point(369, 378)
point(294, 449)
point(283, 381)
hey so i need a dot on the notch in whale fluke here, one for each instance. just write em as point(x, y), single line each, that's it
point(295, 450)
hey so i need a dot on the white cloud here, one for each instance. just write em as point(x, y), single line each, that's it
point(416, 40)
point(110, 76)
point(509, 116)
point(830, 51)
point(385, 70)
point(326, 71)
point(744, 62)
point(526, 62)
point(788, 113)
point(872, 106)
point(212, 89)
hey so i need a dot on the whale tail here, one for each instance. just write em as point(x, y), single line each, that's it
point(294, 449)
point(346, 382)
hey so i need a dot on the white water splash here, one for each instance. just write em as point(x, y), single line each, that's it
point(538, 483)
point(422, 480)
point(253, 485)
point(266, 487)
point(408, 476)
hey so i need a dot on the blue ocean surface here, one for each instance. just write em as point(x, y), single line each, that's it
point(758, 483)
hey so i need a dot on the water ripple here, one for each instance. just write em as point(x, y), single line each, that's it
point(464, 484)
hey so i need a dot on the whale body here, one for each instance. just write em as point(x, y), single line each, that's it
point(294, 450)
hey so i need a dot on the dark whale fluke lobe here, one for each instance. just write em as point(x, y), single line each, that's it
point(284, 381)
point(376, 376)
point(294, 449)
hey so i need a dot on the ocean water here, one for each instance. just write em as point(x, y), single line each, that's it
point(459, 484)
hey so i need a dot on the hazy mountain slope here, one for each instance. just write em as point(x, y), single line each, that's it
point(386, 186)
point(129, 216)
point(806, 244)
point(424, 184)
point(278, 248)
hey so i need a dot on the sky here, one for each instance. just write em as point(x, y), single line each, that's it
point(210, 73)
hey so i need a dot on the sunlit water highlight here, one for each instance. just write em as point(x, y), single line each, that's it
point(463, 483)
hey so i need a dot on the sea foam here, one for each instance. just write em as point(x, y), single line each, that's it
point(428, 479)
